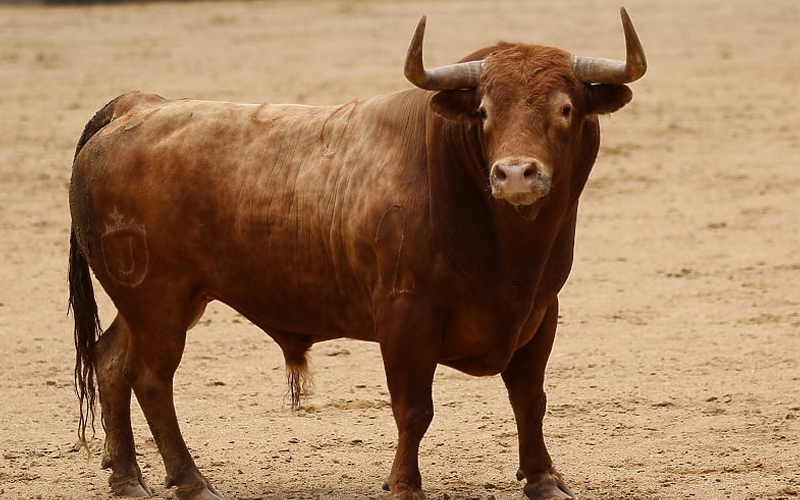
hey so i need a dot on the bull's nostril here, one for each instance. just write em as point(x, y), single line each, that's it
point(529, 174)
point(500, 174)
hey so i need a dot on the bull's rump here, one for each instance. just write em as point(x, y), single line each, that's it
point(273, 209)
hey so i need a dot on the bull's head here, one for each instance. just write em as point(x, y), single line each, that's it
point(537, 106)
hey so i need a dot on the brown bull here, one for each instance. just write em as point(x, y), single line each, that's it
point(437, 221)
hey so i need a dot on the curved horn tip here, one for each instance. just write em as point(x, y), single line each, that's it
point(635, 56)
point(419, 32)
point(627, 26)
point(413, 67)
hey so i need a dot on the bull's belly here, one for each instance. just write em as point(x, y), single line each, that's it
point(311, 314)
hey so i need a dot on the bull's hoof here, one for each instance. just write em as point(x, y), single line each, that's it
point(547, 486)
point(401, 493)
point(132, 488)
point(544, 486)
point(205, 493)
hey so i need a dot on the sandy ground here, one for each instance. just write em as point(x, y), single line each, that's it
point(675, 373)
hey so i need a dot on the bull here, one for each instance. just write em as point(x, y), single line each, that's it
point(438, 221)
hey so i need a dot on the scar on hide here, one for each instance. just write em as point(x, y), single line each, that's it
point(124, 248)
point(333, 127)
point(141, 119)
point(395, 207)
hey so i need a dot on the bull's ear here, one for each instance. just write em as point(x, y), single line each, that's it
point(455, 105)
point(604, 99)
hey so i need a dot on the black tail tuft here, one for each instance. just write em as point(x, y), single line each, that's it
point(299, 380)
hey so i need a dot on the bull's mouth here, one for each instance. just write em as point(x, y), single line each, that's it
point(519, 199)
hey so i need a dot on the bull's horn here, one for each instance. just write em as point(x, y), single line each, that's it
point(598, 70)
point(465, 75)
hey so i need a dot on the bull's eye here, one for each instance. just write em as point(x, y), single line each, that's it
point(483, 113)
point(566, 110)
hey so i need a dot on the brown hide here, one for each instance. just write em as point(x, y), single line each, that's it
point(376, 220)
point(308, 220)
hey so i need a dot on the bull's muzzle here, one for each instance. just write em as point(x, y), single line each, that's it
point(519, 181)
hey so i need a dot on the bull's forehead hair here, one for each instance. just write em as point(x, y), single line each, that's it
point(514, 71)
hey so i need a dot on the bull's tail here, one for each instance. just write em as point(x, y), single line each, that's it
point(87, 328)
point(82, 302)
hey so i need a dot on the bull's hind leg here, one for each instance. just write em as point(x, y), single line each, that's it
point(524, 379)
point(154, 352)
point(115, 399)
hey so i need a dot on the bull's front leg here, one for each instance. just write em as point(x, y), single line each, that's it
point(409, 357)
point(524, 379)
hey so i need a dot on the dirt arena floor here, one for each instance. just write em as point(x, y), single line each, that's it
point(676, 371)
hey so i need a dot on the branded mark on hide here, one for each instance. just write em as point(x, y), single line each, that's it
point(124, 247)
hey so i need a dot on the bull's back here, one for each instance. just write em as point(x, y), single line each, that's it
point(271, 208)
